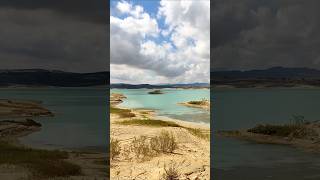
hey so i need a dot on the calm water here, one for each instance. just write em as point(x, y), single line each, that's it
point(166, 104)
point(80, 117)
point(244, 108)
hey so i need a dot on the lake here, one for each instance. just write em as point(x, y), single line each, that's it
point(80, 120)
point(245, 108)
point(167, 104)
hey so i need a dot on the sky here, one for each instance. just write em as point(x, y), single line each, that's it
point(158, 42)
point(69, 35)
point(252, 34)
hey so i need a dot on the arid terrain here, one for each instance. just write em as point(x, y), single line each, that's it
point(144, 146)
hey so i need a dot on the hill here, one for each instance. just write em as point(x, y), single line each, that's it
point(272, 77)
point(40, 77)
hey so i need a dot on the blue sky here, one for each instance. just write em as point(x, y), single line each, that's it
point(160, 41)
point(149, 6)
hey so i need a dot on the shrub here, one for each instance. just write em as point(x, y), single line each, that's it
point(114, 148)
point(171, 173)
point(165, 142)
point(141, 148)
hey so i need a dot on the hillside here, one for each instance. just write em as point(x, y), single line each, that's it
point(40, 77)
point(272, 77)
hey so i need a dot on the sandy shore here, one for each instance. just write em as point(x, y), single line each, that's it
point(191, 158)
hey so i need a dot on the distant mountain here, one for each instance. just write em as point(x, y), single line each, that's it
point(274, 72)
point(159, 86)
point(272, 77)
point(41, 77)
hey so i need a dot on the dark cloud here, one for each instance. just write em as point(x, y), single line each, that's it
point(251, 34)
point(91, 10)
point(65, 35)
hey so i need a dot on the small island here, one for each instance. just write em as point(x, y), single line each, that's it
point(204, 104)
point(302, 134)
point(155, 92)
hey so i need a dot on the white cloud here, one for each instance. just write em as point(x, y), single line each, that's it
point(124, 7)
point(183, 57)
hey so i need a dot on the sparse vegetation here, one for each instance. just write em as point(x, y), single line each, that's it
point(296, 129)
point(123, 113)
point(202, 102)
point(171, 173)
point(149, 122)
point(42, 163)
point(141, 148)
point(164, 143)
point(114, 148)
point(275, 130)
point(198, 132)
point(160, 123)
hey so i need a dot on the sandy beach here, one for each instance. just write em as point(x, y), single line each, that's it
point(191, 159)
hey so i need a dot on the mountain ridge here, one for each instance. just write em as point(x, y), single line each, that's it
point(42, 77)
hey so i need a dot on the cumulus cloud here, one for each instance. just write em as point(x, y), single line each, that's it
point(253, 35)
point(177, 52)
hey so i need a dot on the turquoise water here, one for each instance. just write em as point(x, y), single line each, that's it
point(166, 104)
point(245, 108)
point(80, 117)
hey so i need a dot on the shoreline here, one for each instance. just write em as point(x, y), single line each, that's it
point(192, 155)
point(116, 100)
point(16, 122)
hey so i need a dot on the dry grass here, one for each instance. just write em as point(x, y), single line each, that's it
point(41, 163)
point(123, 113)
point(149, 122)
point(199, 133)
point(164, 143)
point(171, 173)
point(144, 148)
point(160, 123)
point(114, 148)
point(141, 148)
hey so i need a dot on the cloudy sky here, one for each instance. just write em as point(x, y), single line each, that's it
point(160, 41)
point(68, 35)
point(251, 34)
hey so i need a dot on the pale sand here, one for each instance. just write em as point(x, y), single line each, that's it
point(192, 156)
